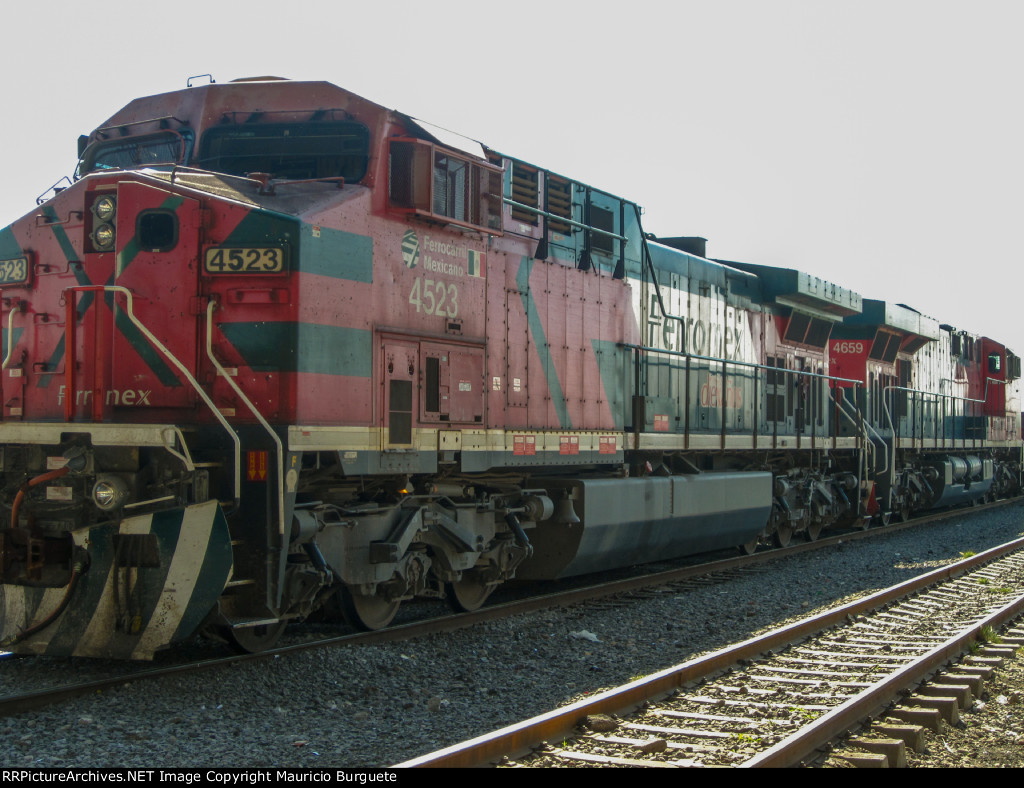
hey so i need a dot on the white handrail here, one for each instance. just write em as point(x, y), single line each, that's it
point(10, 333)
point(252, 408)
point(156, 343)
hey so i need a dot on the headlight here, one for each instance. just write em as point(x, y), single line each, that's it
point(103, 237)
point(105, 208)
point(109, 492)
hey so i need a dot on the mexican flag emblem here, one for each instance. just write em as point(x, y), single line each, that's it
point(475, 263)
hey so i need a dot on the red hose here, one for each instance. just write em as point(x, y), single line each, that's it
point(76, 574)
point(76, 570)
point(41, 479)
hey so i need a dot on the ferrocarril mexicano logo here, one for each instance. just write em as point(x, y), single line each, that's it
point(441, 256)
point(410, 249)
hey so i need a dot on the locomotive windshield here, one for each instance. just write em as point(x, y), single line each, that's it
point(288, 150)
point(129, 153)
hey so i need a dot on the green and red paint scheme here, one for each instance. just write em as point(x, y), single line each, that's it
point(280, 351)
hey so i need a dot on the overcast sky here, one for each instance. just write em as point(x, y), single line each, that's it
point(874, 144)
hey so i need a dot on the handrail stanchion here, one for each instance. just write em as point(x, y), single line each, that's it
point(70, 362)
point(70, 344)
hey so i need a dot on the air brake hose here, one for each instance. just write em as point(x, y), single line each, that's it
point(313, 551)
point(517, 530)
point(41, 479)
point(78, 568)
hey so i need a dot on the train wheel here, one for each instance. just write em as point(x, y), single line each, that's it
point(367, 612)
point(814, 531)
point(782, 536)
point(252, 640)
point(467, 594)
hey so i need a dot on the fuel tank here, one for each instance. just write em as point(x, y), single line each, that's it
point(633, 521)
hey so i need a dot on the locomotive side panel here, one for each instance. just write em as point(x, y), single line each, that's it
point(335, 334)
point(705, 382)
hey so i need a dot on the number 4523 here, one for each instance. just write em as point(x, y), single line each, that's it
point(435, 297)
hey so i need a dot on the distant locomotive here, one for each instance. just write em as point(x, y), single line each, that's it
point(280, 352)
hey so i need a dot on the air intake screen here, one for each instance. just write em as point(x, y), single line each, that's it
point(400, 412)
point(818, 333)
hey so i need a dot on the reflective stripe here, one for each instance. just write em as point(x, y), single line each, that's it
point(170, 600)
point(182, 576)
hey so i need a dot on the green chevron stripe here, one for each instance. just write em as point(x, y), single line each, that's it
point(536, 328)
point(302, 347)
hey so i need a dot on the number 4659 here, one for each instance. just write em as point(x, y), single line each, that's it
point(435, 297)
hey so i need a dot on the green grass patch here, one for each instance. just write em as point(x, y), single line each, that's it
point(989, 635)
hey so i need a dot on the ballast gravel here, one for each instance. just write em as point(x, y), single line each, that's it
point(374, 706)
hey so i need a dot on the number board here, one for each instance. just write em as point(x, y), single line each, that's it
point(14, 272)
point(848, 347)
point(244, 260)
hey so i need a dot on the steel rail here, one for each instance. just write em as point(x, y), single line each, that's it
point(841, 719)
point(521, 738)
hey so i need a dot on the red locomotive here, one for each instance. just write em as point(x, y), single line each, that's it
point(279, 351)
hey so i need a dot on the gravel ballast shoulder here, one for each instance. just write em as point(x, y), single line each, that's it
point(375, 706)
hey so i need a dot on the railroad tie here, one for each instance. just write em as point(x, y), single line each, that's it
point(995, 661)
point(894, 750)
point(912, 736)
point(972, 681)
point(930, 719)
point(984, 672)
point(946, 706)
point(865, 760)
point(962, 693)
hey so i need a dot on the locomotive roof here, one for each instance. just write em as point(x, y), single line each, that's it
point(268, 99)
point(900, 317)
point(712, 272)
point(791, 288)
point(215, 103)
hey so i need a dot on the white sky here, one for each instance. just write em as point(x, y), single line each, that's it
point(873, 144)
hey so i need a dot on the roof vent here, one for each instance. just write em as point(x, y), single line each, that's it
point(690, 244)
point(260, 79)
